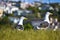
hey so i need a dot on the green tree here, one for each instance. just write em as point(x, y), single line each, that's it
point(35, 11)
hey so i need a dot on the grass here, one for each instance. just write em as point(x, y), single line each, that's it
point(9, 33)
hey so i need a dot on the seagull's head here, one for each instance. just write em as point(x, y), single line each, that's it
point(48, 13)
point(24, 18)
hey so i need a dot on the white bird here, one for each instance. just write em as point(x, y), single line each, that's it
point(20, 23)
point(37, 24)
point(47, 17)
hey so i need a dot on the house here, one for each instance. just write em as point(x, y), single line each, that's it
point(24, 5)
point(1, 12)
point(2, 7)
point(37, 3)
point(51, 8)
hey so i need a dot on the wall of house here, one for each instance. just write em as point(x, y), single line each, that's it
point(1, 13)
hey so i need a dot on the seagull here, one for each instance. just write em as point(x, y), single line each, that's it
point(41, 24)
point(20, 23)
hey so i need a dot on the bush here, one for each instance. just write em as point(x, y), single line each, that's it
point(5, 20)
point(27, 26)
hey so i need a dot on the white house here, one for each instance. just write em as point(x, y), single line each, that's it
point(2, 7)
point(24, 5)
point(1, 13)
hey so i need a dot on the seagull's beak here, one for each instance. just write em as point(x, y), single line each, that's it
point(25, 18)
point(51, 14)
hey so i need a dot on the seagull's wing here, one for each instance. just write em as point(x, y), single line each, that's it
point(44, 24)
point(36, 22)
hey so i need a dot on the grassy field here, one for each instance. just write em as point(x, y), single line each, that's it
point(9, 33)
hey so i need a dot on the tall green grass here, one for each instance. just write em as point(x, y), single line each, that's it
point(9, 33)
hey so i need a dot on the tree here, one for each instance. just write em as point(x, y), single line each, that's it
point(35, 11)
